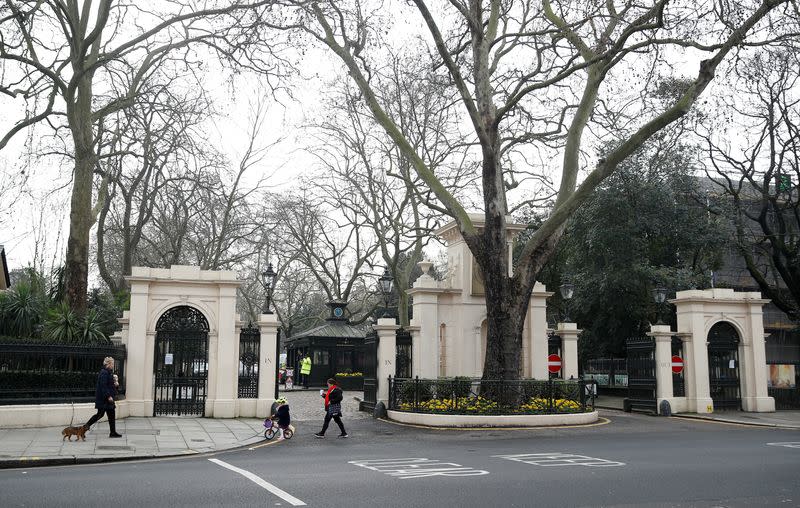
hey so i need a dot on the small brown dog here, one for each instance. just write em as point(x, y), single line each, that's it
point(68, 432)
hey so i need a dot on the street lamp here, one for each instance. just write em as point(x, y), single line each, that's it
point(659, 296)
point(567, 289)
point(268, 277)
point(385, 285)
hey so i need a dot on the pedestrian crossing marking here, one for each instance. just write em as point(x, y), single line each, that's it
point(417, 467)
point(558, 459)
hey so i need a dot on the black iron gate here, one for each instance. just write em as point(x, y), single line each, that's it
point(723, 366)
point(403, 354)
point(641, 375)
point(370, 372)
point(249, 360)
point(180, 366)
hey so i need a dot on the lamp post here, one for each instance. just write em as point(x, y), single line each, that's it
point(659, 296)
point(385, 284)
point(567, 289)
point(268, 278)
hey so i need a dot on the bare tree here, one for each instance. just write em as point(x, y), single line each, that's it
point(57, 56)
point(364, 172)
point(148, 146)
point(335, 248)
point(754, 160)
point(545, 75)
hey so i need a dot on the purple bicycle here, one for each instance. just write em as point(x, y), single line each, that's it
point(272, 429)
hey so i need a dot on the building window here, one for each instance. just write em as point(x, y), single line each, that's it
point(321, 357)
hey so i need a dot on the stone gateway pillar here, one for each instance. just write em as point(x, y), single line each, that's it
point(387, 351)
point(569, 349)
point(663, 356)
point(425, 325)
point(268, 323)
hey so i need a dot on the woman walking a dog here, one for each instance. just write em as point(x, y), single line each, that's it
point(107, 385)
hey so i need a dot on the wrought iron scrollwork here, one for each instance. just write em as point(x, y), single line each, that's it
point(183, 318)
point(181, 362)
point(249, 354)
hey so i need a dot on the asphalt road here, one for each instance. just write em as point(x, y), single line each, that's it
point(634, 460)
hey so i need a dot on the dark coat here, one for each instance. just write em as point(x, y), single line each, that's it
point(283, 416)
point(105, 389)
point(335, 396)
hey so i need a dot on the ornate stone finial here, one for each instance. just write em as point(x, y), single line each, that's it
point(425, 266)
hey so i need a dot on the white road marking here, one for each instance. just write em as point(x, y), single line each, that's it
point(786, 444)
point(417, 467)
point(559, 459)
point(261, 483)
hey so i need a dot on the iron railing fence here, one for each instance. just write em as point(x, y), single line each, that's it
point(478, 396)
point(607, 372)
point(785, 398)
point(54, 373)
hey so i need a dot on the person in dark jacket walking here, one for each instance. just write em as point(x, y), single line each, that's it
point(104, 397)
point(333, 408)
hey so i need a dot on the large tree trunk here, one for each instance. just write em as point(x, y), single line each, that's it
point(80, 223)
point(81, 217)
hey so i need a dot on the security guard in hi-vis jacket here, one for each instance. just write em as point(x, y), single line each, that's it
point(305, 370)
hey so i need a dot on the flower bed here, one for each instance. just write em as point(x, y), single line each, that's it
point(479, 405)
point(481, 397)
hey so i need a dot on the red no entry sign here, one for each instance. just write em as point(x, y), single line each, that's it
point(677, 364)
point(553, 363)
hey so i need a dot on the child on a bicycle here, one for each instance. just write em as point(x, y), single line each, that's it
point(282, 415)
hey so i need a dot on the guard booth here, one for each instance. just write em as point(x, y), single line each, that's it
point(335, 346)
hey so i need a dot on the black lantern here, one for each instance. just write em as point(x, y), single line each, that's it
point(567, 289)
point(659, 296)
point(385, 285)
point(269, 278)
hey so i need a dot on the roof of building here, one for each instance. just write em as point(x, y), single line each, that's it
point(332, 329)
point(5, 279)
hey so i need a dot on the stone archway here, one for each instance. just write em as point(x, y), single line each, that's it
point(717, 326)
point(180, 363)
point(723, 366)
point(191, 314)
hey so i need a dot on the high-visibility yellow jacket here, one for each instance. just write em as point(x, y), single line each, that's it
point(305, 366)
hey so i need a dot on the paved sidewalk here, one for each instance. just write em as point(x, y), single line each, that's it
point(141, 438)
point(783, 419)
point(778, 419)
point(156, 437)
